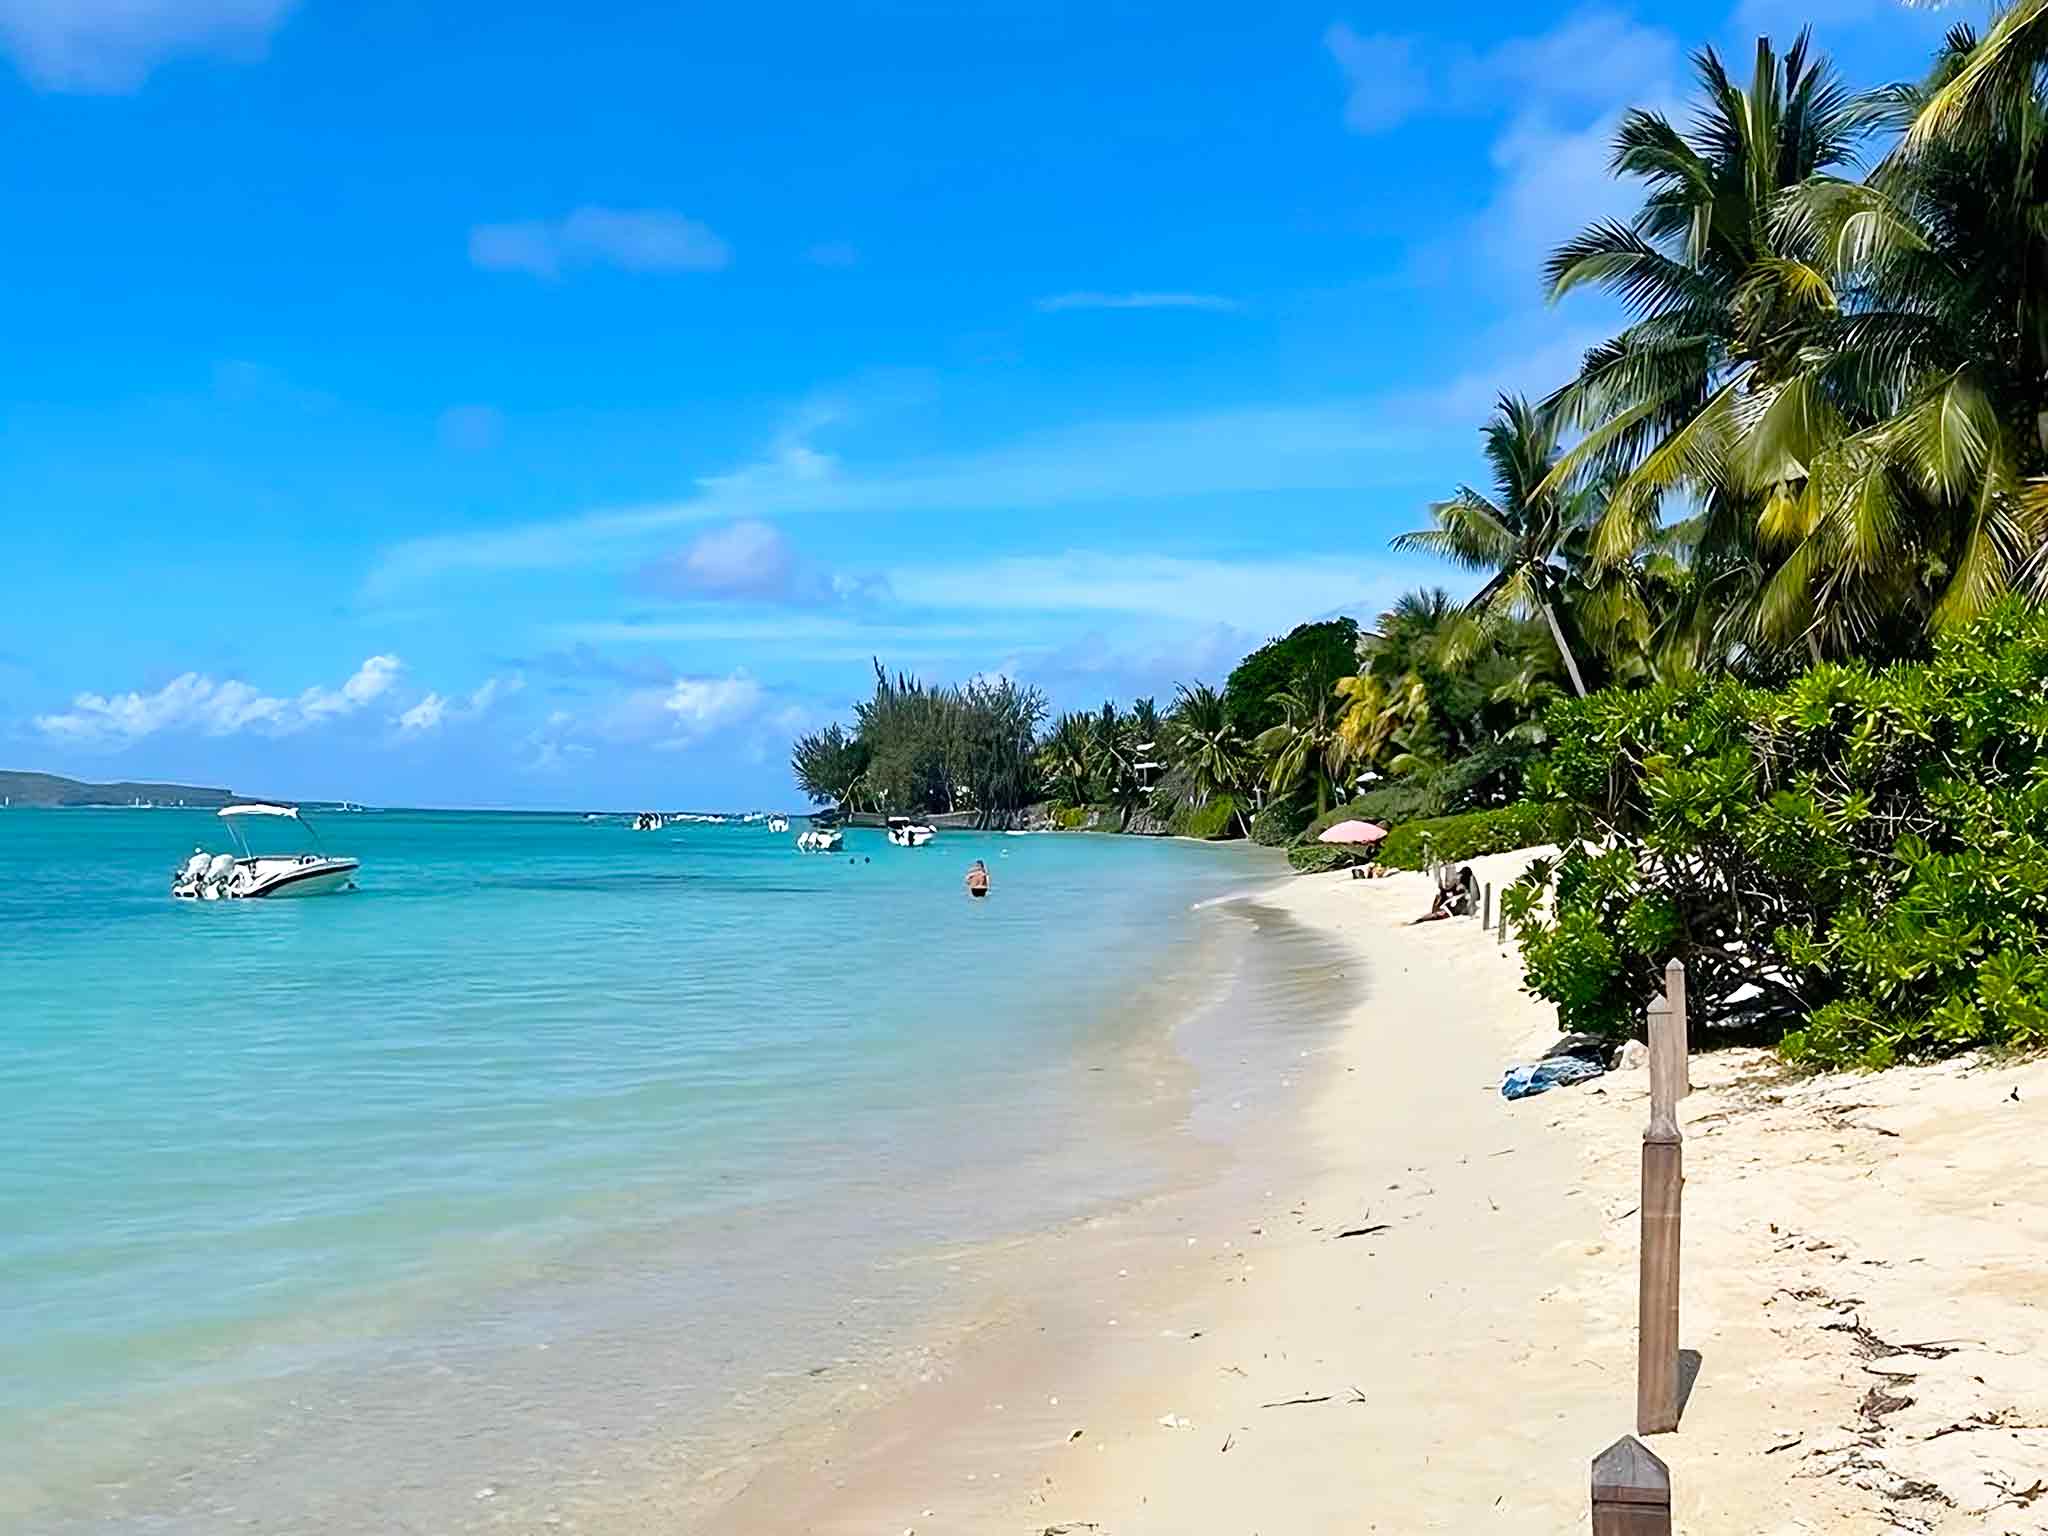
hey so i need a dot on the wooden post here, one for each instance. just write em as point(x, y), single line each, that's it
point(1657, 1383)
point(1674, 997)
point(1486, 908)
point(1631, 1491)
point(1500, 936)
point(1667, 1064)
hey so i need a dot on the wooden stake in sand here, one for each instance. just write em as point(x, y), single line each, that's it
point(1663, 1184)
point(1674, 998)
point(1631, 1491)
point(1667, 1056)
point(1486, 909)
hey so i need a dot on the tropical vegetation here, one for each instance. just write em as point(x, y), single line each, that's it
point(1753, 623)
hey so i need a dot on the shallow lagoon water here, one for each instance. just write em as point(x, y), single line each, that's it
point(554, 1138)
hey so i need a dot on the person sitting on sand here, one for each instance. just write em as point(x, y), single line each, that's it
point(1454, 898)
point(977, 879)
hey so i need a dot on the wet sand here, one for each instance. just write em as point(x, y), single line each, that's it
point(1403, 1304)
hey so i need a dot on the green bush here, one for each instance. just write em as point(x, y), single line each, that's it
point(1449, 839)
point(1216, 819)
point(1071, 818)
point(1310, 857)
point(1857, 862)
point(1280, 823)
point(1395, 801)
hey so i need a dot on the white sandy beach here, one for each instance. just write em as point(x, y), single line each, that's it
point(1862, 1279)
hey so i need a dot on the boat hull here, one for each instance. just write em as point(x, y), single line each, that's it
point(310, 880)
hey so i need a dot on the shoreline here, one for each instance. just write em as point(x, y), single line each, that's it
point(1222, 1359)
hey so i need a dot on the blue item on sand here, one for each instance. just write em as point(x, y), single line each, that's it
point(1550, 1072)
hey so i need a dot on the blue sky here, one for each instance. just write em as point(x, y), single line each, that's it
point(520, 404)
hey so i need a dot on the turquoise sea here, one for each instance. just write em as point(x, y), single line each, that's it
point(554, 1138)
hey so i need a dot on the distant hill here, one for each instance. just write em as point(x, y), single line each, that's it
point(50, 789)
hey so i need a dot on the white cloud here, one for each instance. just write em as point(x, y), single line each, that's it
point(633, 240)
point(1385, 79)
point(1595, 57)
point(704, 704)
point(112, 45)
point(193, 701)
point(370, 681)
point(680, 713)
point(1055, 303)
point(426, 715)
point(435, 710)
point(748, 558)
point(752, 561)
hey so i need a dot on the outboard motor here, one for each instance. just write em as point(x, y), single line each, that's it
point(186, 878)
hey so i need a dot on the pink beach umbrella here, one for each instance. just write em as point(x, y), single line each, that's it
point(1353, 832)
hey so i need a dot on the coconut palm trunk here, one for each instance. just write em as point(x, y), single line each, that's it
point(1571, 663)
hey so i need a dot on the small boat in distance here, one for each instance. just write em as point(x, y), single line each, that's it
point(647, 821)
point(246, 876)
point(778, 823)
point(820, 840)
point(905, 833)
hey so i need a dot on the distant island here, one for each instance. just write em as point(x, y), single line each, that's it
point(49, 789)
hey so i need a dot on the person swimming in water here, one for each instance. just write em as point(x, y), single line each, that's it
point(977, 879)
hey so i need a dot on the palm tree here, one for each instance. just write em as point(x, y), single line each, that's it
point(1304, 748)
point(1209, 758)
point(1112, 754)
point(1897, 456)
point(1372, 710)
point(1064, 761)
point(1518, 535)
point(1718, 302)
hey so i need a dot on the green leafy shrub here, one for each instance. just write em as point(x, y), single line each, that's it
point(1281, 822)
point(1448, 839)
point(1216, 819)
point(1395, 801)
point(1857, 862)
point(1310, 857)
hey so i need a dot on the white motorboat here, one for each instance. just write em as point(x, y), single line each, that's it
point(820, 840)
point(905, 833)
point(778, 823)
point(647, 821)
point(246, 875)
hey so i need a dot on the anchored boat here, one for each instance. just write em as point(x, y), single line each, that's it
point(905, 833)
point(246, 875)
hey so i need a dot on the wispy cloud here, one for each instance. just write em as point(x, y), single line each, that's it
point(1055, 303)
point(1345, 444)
point(1384, 80)
point(633, 240)
point(110, 46)
point(196, 702)
point(752, 561)
point(435, 710)
point(1257, 592)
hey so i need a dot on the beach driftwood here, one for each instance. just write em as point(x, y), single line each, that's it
point(1631, 1491)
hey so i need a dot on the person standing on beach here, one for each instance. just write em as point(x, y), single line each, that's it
point(977, 879)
